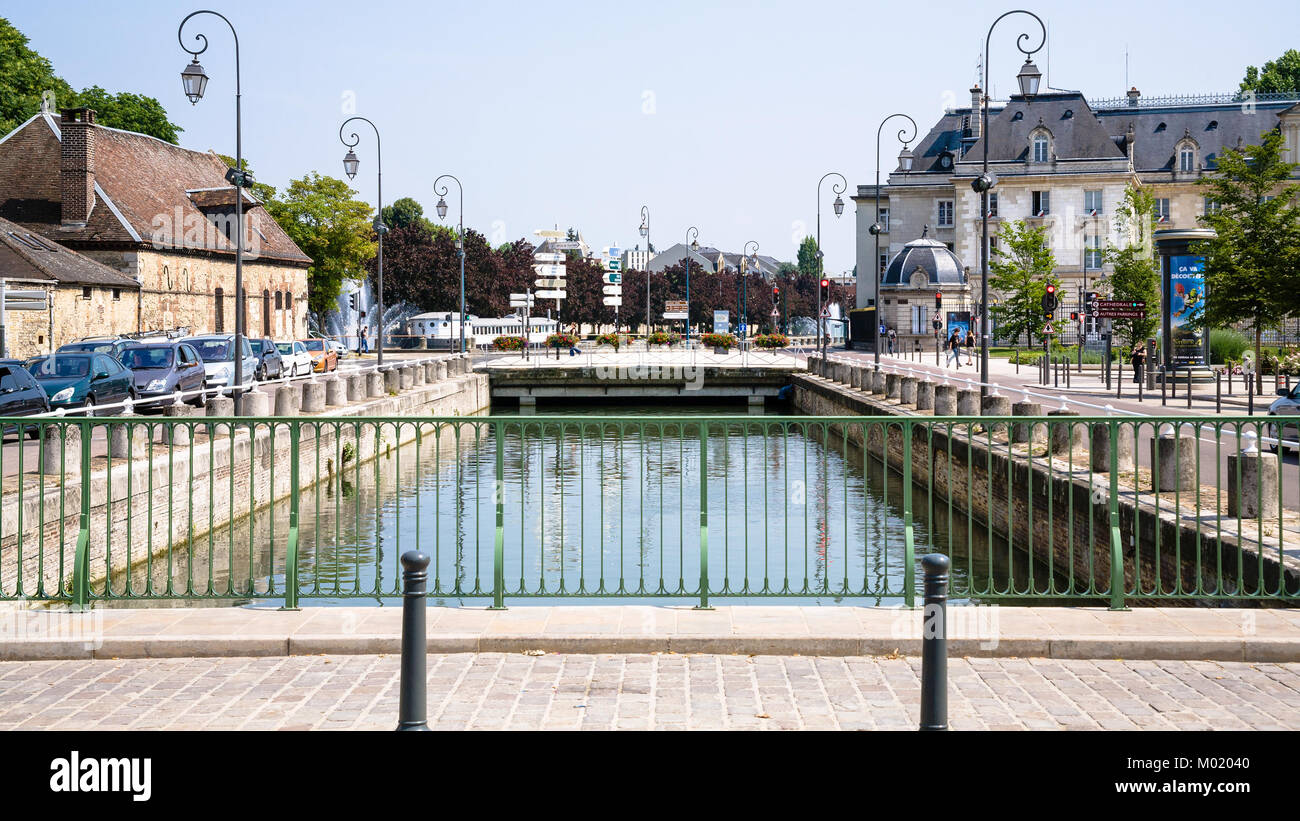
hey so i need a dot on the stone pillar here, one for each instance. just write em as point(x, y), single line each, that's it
point(220, 406)
point(1022, 432)
point(255, 404)
point(61, 450)
point(177, 433)
point(127, 436)
point(1255, 496)
point(374, 385)
point(527, 405)
point(907, 390)
point(1175, 456)
point(996, 406)
point(855, 377)
point(313, 397)
point(945, 400)
point(356, 386)
point(968, 402)
point(1099, 448)
point(288, 399)
point(405, 377)
point(924, 394)
point(393, 380)
point(1064, 436)
point(755, 404)
point(891, 385)
point(336, 391)
point(878, 381)
point(422, 373)
point(439, 370)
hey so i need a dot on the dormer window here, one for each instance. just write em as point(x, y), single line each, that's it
point(1214, 124)
point(1041, 147)
point(1068, 115)
point(1019, 115)
point(1186, 159)
point(1160, 128)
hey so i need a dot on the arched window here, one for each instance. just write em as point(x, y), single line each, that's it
point(1041, 148)
point(279, 300)
point(266, 312)
point(219, 320)
point(1186, 158)
point(167, 278)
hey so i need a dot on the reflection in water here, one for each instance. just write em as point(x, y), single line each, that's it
point(595, 511)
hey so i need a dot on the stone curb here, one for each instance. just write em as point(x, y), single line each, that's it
point(1137, 648)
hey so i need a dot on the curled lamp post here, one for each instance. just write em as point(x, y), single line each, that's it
point(838, 206)
point(194, 81)
point(904, 164)
point(460, 239)
point(745, 255)
point(645, 232)
point(1028, 78)
point(350, 165)
point(693, 242)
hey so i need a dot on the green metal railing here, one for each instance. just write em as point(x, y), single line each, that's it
point(690, 508)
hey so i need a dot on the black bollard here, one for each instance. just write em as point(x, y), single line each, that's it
point(934, 643)
point(1218, 392)
point(1188, 390)
point(1250, 394)
point(1141, 378)
point(412, 710)
point(1163, 386)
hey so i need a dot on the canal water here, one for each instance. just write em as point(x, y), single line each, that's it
point(599, 513)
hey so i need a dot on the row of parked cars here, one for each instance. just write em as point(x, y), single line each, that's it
point(148, 370)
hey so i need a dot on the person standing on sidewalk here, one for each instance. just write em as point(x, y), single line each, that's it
point(970, 347)
point(893, 337)
point(1138, 359)
point(955, 344)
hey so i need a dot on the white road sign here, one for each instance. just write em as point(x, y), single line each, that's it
point(550, 294)
point(613, 301)
point(613, 278)
point(548, 233)
point(613, 290)
point(521, 296)
point(566, 245)
point(549, 283)
point(547, 257)
point(550, 270)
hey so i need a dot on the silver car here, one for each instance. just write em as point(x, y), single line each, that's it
point(217, 352)
point(1287, 404)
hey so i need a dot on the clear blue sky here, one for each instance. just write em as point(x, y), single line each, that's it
point(721, 115)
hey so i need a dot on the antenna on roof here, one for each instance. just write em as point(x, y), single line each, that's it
point(1126, 85)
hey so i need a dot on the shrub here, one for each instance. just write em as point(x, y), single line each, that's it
point(771, 340)
point(613, 340)
point(1226, 344)
point(727, 341)
point(561, 341)
point(508, 343)
point(664, 338)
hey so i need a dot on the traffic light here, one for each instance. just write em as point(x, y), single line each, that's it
point(1074, 316)
point(1089, 297)
point(776, 293)
point(938, 301)
point(826, 289)
point(352, 301)
point(1049, 300)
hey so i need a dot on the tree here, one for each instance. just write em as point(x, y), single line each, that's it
point(807, 258)
point(1252, 266)
point(1136, 274)
point(1280, 75)
point(1020, 271)
point(323, 218)
point(404, 213)
point(25, 76)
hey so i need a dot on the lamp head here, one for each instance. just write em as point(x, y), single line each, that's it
point(350, 163)
point(194, 80)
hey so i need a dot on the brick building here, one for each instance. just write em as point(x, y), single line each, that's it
point(157, 213)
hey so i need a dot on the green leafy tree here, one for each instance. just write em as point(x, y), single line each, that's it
point(1020, 272)
point(25, 76)
point(404, 213)
point(1252, 266)
point(807, 259)
point(323, 217)
point(1136, 274)
point(1280, 75)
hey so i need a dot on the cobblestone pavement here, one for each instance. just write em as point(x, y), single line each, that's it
point(508, 691)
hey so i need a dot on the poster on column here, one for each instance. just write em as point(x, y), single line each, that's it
point(959, 321)
point(1185, 304)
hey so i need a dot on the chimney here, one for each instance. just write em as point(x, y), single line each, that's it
point(1133, 96)
point(77, 165)
point(976, 113)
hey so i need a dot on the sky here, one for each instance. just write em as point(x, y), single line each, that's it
point(718, 115)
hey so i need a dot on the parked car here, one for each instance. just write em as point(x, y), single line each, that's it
point(82, 380)
point(339, 348)
point(161, 368)
point(297, 362)
point(111, 345)
point(270, 364)
point(20, 395)
point(1287, 404)
point(323, 357)
point(218, 354)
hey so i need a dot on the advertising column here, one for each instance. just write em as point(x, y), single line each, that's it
point(1185, 344)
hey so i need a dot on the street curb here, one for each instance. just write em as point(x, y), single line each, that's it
point(1137, 648)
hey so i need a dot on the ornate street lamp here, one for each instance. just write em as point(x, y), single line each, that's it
point(194, 80)
point(1028, 78)
point(350, 165)
point(460, 239)
point(838, 188)
point(745, 256)
point(876, 229)
point(645, 232)
point(692, 237)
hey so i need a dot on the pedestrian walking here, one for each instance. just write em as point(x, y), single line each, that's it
point(363, 346)
point(1138, 359)
point(955, 344)
point(970, 347)
point(893, 337)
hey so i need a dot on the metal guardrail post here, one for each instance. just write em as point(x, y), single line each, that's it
point(499, 543)
point(81, 559)
point(934, 644)
point(909, 539)
point(1250, 394)
point(1116, 545)
point(704, 518)
point(1164, 386)
point(291, 550)
point(412, 709)
point(1218, 392)
point(1187, 389)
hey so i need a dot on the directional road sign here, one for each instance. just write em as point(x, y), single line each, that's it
point(613, 290)
point(613, 301)
point(612, 278)
point(550, 270)
point(550, 295)
point(566, 245)
point(1119, 309)
point(543, 256)
point(549, 283)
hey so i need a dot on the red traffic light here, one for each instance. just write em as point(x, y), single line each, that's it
point(939, 295)
point(1074, 315)
point(826, 283)
point(776, 291)
point(1051, 289)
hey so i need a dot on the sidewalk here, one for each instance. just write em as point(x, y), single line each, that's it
point(1219, 634)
